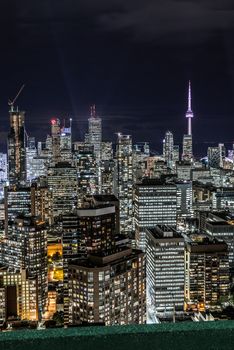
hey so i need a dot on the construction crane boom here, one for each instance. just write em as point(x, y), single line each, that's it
point(11, 103)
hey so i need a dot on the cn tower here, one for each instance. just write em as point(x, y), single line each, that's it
point(189, 113)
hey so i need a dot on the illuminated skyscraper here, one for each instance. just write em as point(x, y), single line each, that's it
point(56, 135)
point(164, 270)
point(154, 204)
point(3, 168)
point(66, 143)
point(125, 182)
point(26, 248)
point(17, 147)
point(187, 140)
point(62, 181)
point(95, 132)
point(169, 149)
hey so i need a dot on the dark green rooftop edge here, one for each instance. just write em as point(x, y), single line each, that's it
point(189, 336)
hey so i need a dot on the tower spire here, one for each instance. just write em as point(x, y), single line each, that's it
point(189, 97)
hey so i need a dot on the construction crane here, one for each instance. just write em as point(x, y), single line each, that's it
point(11, 103)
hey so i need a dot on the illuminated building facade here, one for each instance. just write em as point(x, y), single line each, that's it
point(17, 201)
point(155, 203)
point(17, 148)
point(26, 248)
point(62, 181)
point(89, 230)
point(184, 199)
point(66, 143)
point(108, 288)
point(222, 227)
point(18, 296)
point(42, 202)
point(95, 132)
point(125, 182)
point(169, 149)
point(164, 270)
point(87, 171)
point(3, 168)
point(55, 140)
point(207, 277)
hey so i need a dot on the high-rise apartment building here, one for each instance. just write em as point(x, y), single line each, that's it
point(207, 276)
point(221, 226)
point(26, 248)
point(125, 182)
point(108, 288)
point(18, 296)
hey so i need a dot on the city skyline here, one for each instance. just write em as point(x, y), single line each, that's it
point(80, 124)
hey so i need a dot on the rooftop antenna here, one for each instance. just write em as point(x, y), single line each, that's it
point(93, 111)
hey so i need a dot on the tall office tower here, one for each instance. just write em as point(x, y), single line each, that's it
point(125, 182)
point(26, 248)
point(17, 147)
point(187, 148)
point(66, 143)
point(31, 153)
point(56, 135)
point(108, 289)
point(18, 296)
point(207, 273)
point(3, 168)
point(222, 150)
point(46, 150)
point(176, 153)
point(139, 156)
point(37, 167)
point(42, 202)
point(187, 140)
point(108, 177)
point(214, 157)
point(184, 199)
point(169, 149)
point(106, 151)
point(164, 271)
point(17, 201)
point(95, 132)
point(86, 166)
point(154, 204)
point(62, 181)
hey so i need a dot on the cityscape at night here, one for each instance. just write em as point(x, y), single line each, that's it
point(116, 168)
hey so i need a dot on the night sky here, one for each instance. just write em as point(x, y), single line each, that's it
point(132, 58)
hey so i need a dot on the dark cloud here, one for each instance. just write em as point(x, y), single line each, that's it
point(132, 57)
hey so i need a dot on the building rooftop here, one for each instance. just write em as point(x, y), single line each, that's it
point(165, 232)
